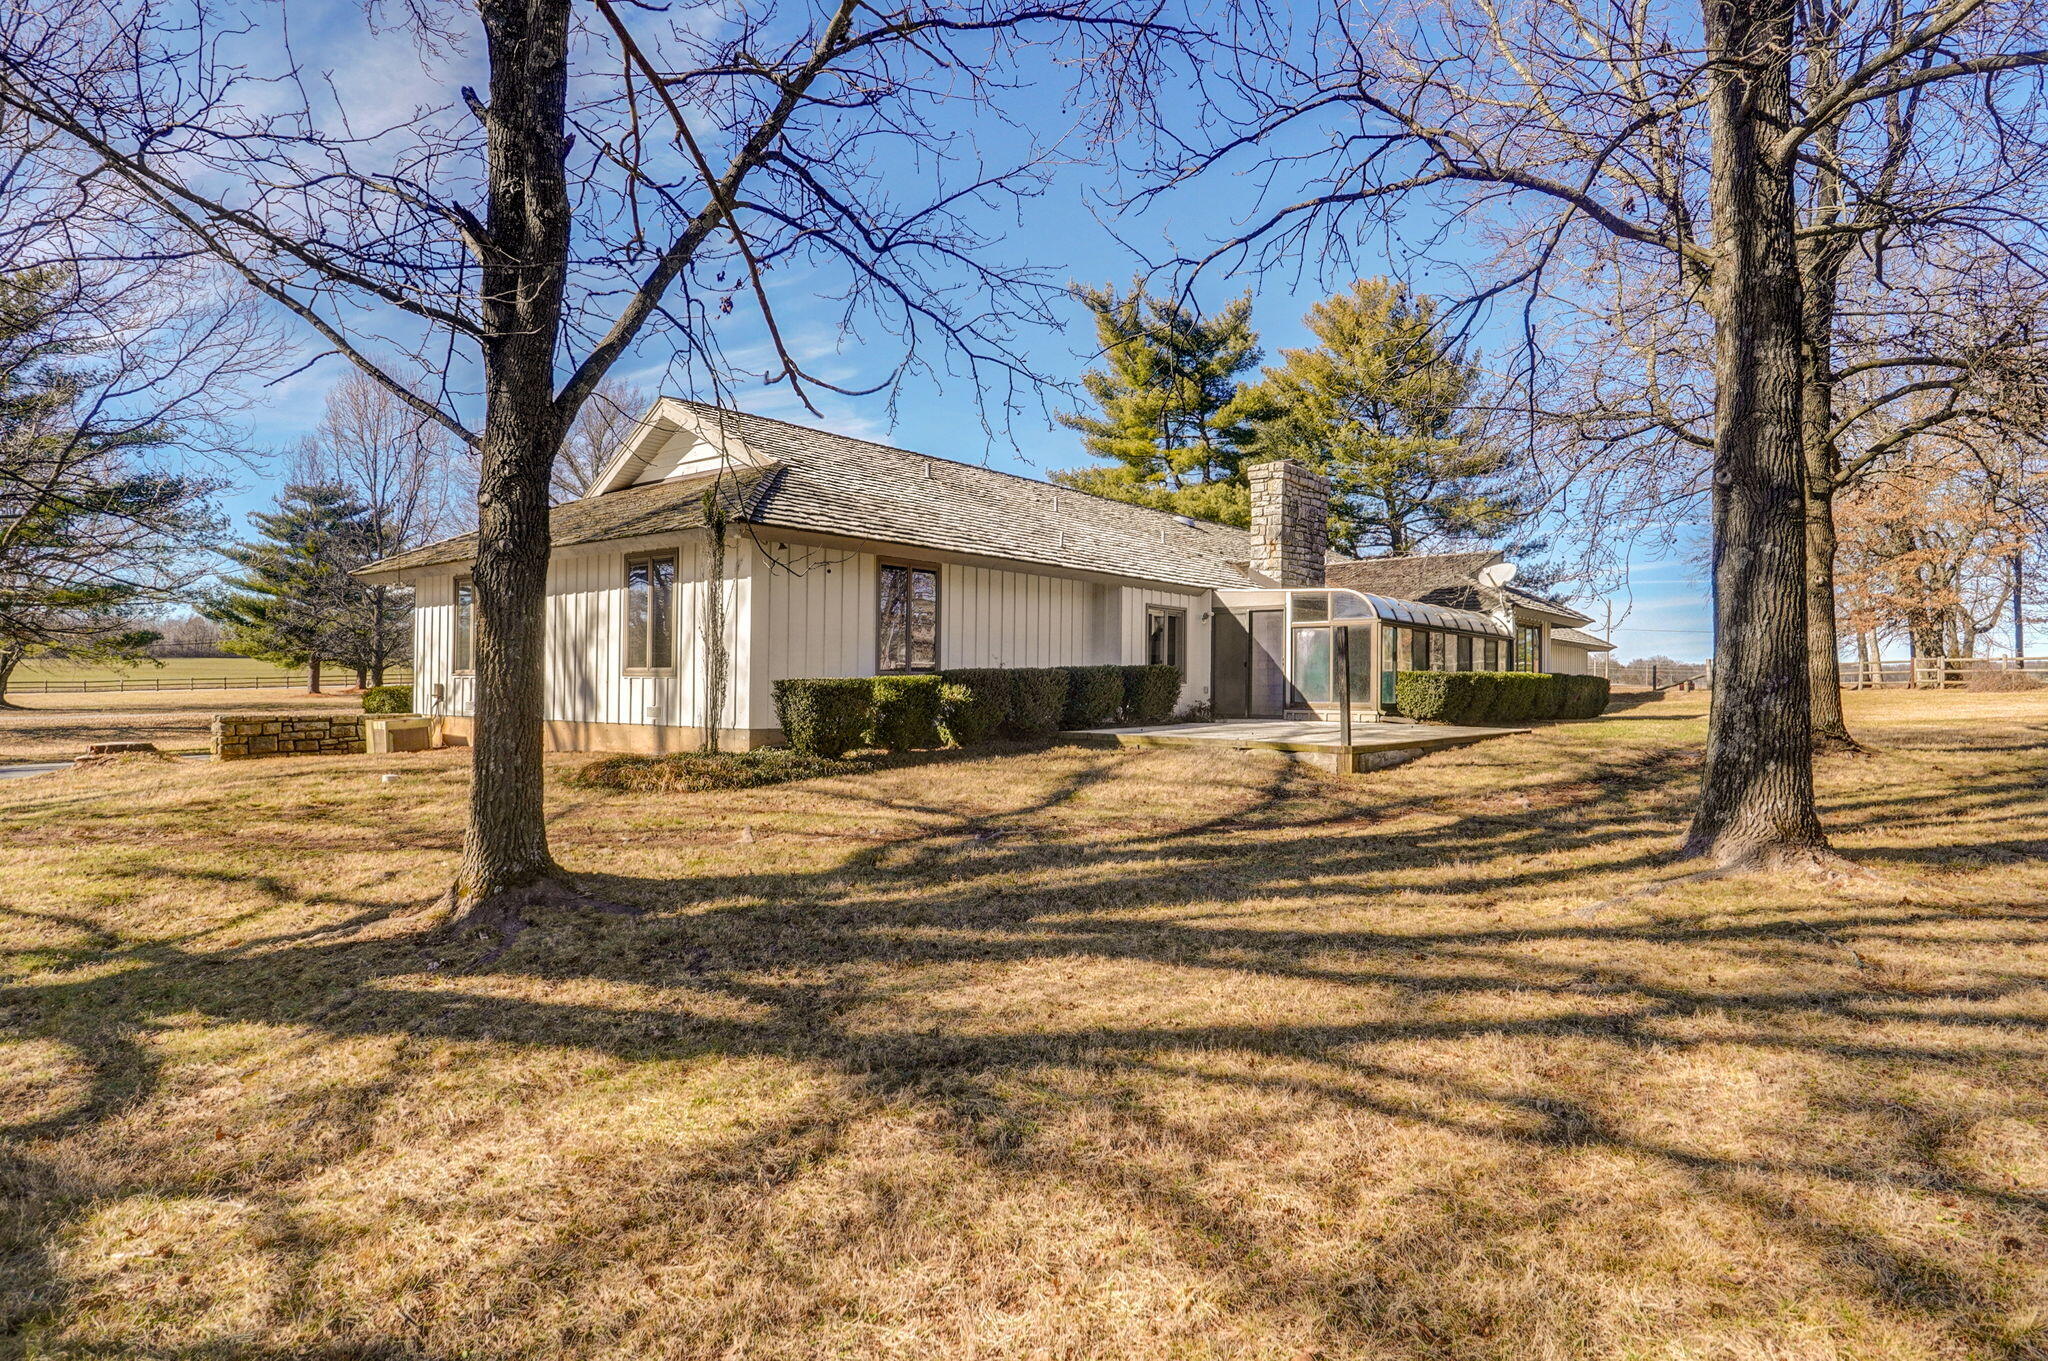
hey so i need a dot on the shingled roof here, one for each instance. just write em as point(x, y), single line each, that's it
point(1447, 579)
point(657, 508)
point(834, 484)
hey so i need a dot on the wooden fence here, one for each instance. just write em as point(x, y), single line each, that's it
point(122, 685)
point(1939, 673)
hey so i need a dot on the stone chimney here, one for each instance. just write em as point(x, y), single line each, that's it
point(1290, 522)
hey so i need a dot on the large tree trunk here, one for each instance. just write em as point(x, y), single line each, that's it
point(1756, 799)
point(505, 850)
point(1822, 461)
point(313, 676)
point(378, 653)
point(10, 657)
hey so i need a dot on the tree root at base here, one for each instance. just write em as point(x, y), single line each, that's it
point(503, 914)
point(1816, 863)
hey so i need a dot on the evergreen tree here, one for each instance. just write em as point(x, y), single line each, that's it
point(1383, 408)
point(1173, 417)
point(89, 538)
point(295, 603)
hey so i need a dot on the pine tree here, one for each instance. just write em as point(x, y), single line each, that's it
point(295, 603)
point(1383, 408)
point(89, 537)
point(1173, 416)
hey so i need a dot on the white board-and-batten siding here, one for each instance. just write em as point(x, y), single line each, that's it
point(797, 610)
point(586, 642)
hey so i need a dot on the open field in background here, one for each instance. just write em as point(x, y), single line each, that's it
point(1064, 1054)
point(180, 671)
point(49, 727)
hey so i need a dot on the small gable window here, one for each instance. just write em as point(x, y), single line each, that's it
point(908, 629)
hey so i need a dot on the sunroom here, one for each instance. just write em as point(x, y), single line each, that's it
point(1292, 653)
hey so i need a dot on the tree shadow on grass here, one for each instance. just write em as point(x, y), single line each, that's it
point(842, 968)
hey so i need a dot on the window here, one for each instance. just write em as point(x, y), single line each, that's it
point(1436, 652)
point(1312, 665)
point(1166, 634)
point(1529, 647)
point(465, 626)
point(1311, 607)
point(908, 633)
point(1418, 642)
point(1464, 652)
point(1492, 654)
point(651, 612)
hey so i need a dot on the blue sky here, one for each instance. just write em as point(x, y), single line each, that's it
point(1070, 234)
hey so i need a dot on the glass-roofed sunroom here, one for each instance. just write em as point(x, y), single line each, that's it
point(1288, 652)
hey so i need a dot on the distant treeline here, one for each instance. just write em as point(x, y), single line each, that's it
point(187, 637)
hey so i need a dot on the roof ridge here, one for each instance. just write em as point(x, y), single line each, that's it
point(1055, 487)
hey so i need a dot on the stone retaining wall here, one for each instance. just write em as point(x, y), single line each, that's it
point(237, 737)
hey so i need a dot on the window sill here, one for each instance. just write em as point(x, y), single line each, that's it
point(655, 673)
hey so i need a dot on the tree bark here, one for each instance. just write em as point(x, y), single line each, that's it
point(524, 259)
point(1756, 798)
point(313, 675)
point(1822, 471)
point(10, 657)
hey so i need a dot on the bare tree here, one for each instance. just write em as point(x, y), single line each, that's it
point(1678, 140)
point(643, 172)
point(413, 478)
point(614, 408)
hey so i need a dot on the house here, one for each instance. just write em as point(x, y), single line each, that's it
point(844, 557)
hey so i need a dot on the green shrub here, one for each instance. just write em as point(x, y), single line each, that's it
point(1522, 696)
point(1150, 693)
point(825, 718)
point(1430, 696)
point(1549, 697)
point(1585, 696)
point(388, 699)
point(1038, 698)
point(1095, 696)
point(693, 771)
point(1460, 697)
point(975, 704)
point(907, 712)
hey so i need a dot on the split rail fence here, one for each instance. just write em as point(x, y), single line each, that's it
point(1939, 673)
point(126, 684)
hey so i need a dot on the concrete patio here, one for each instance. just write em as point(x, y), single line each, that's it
point(1374, 746)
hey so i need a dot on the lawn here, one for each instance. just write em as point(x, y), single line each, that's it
point(179, 670)
point(53, 727)
point(1065, 1054)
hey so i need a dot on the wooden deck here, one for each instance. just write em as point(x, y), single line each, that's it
point(1374, 746)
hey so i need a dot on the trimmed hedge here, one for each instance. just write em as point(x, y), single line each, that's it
point(1584, 696)
point(1038, 700)
point(1150, 693)
point(1095, 696)
point(906, 712)
point(698, 771)
point(976, 704)
point(388, 699)
point(1474, 697)
point(825, 718)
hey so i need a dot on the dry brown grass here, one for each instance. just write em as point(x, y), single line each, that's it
point(53, 727)
point(1069, 1054)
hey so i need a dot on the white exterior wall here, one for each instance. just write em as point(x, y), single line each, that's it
point(586, 622)
point(1567, 659)
point(794, 610)
point(815, 615)
point(1131, 620)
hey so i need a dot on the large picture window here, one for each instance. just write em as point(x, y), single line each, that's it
point(651, 612)
point(1166, 637)
point(908, 631)
point(464, 661)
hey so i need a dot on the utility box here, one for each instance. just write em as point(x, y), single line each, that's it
point(397, 732)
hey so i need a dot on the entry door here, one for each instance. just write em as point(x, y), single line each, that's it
point(1268, 689)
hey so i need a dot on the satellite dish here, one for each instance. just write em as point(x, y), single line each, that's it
point(1497, 574)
